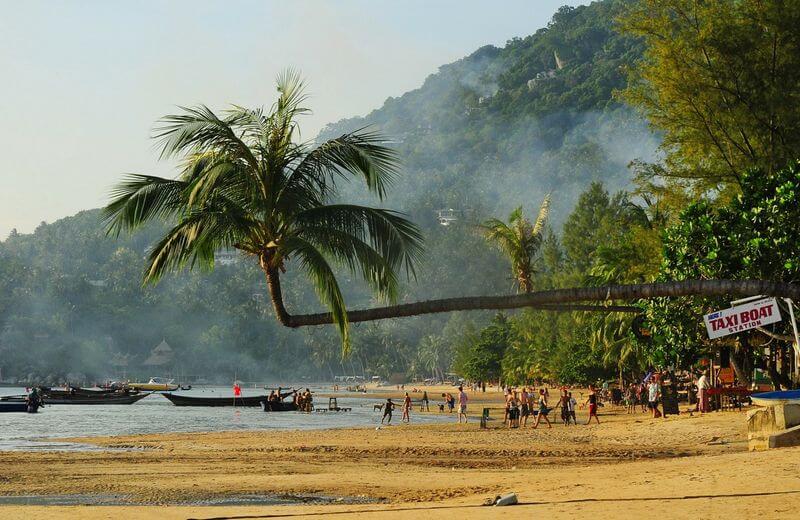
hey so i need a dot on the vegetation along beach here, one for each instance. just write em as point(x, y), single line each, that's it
point(354, 259)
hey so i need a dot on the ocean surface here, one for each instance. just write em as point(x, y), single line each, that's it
point(155, 414)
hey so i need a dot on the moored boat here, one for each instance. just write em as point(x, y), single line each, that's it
point(15, 406)
point(251, 401)
point(81, 399)
point(156, 384)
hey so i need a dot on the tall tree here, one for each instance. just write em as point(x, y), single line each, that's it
point(520, 241)
point(721, 80)
point(246, 183)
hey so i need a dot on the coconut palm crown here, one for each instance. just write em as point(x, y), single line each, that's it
point(247, 182)
point(520, 240)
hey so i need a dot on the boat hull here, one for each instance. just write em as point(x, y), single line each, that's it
point(154, 387)
point(776, 398)
point(80, 399)
point(15, 406)
point(278, 407)
point(254, 401)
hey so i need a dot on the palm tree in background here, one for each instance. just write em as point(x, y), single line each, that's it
point(247, 183)
point(520, 241)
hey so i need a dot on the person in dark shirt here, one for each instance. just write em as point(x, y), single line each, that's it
point(387, 411)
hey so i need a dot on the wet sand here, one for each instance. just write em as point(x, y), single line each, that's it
point(629, 466)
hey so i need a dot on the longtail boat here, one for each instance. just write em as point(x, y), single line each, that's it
point(81, 399)
point(16, 406)
point(251, 401)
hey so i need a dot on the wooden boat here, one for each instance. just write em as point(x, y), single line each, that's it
point(81, 399)
point(278, 406)
point(253, 401)
point(15, 406)
point(74, 391)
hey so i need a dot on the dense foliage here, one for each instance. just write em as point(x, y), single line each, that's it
point(752, 237)
point(722, 81)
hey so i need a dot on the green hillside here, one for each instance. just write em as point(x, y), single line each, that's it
point(482, 135)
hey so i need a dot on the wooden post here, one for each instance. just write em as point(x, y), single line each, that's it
point(484, 417)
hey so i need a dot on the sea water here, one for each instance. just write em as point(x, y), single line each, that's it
point(155, 414)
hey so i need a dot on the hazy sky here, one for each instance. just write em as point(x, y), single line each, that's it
point(84, 81)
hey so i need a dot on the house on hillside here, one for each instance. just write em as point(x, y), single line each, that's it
point(160, 356)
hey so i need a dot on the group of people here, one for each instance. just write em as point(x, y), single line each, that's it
point(524, 402)
point(646, 395)
point(302, 399)
point(450, 400)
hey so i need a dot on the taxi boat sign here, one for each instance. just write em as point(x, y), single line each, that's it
point(742, 317)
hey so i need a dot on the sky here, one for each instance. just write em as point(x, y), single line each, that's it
point(83, 82)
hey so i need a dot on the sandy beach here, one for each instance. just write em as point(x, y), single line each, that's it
point(691, 466)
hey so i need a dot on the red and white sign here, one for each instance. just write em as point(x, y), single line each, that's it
point(742, 317)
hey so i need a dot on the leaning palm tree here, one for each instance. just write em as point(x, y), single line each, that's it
point(520, 241)
point(246, 182)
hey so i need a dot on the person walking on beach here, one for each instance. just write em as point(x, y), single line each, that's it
point(653, 394)
point(462, 405)
point(525, 407)
point(563, 403)
point(630, 399)
point(571, 403)
point(592, 402)
point(406, 409)
point(543, 410)
point(702, 386)
point(425, 401)
point(388, 407)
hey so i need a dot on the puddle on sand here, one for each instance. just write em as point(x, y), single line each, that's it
point(47, 445)
point(231, 500)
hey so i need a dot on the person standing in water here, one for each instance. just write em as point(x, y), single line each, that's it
point(462, 404)
point(406, 409)
point(425, 401)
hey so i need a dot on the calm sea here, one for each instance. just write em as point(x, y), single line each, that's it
point(155, 414)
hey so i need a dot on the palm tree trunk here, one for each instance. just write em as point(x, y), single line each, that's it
point(556, 299)
point(274, 284)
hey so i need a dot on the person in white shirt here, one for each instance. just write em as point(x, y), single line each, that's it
point(653, 393)
point(702, 386)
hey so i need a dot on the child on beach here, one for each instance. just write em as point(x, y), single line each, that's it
point(571, 403)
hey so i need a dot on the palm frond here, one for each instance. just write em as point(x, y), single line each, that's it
point(396, 239)
point(361, 153)
point(317, 268)
point(544, 211)
point(140, 198)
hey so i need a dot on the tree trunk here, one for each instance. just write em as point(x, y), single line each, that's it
point(555, 300)
point(274, 284)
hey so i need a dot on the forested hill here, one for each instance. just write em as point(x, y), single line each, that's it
point(504, 126)
point(497, 129)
